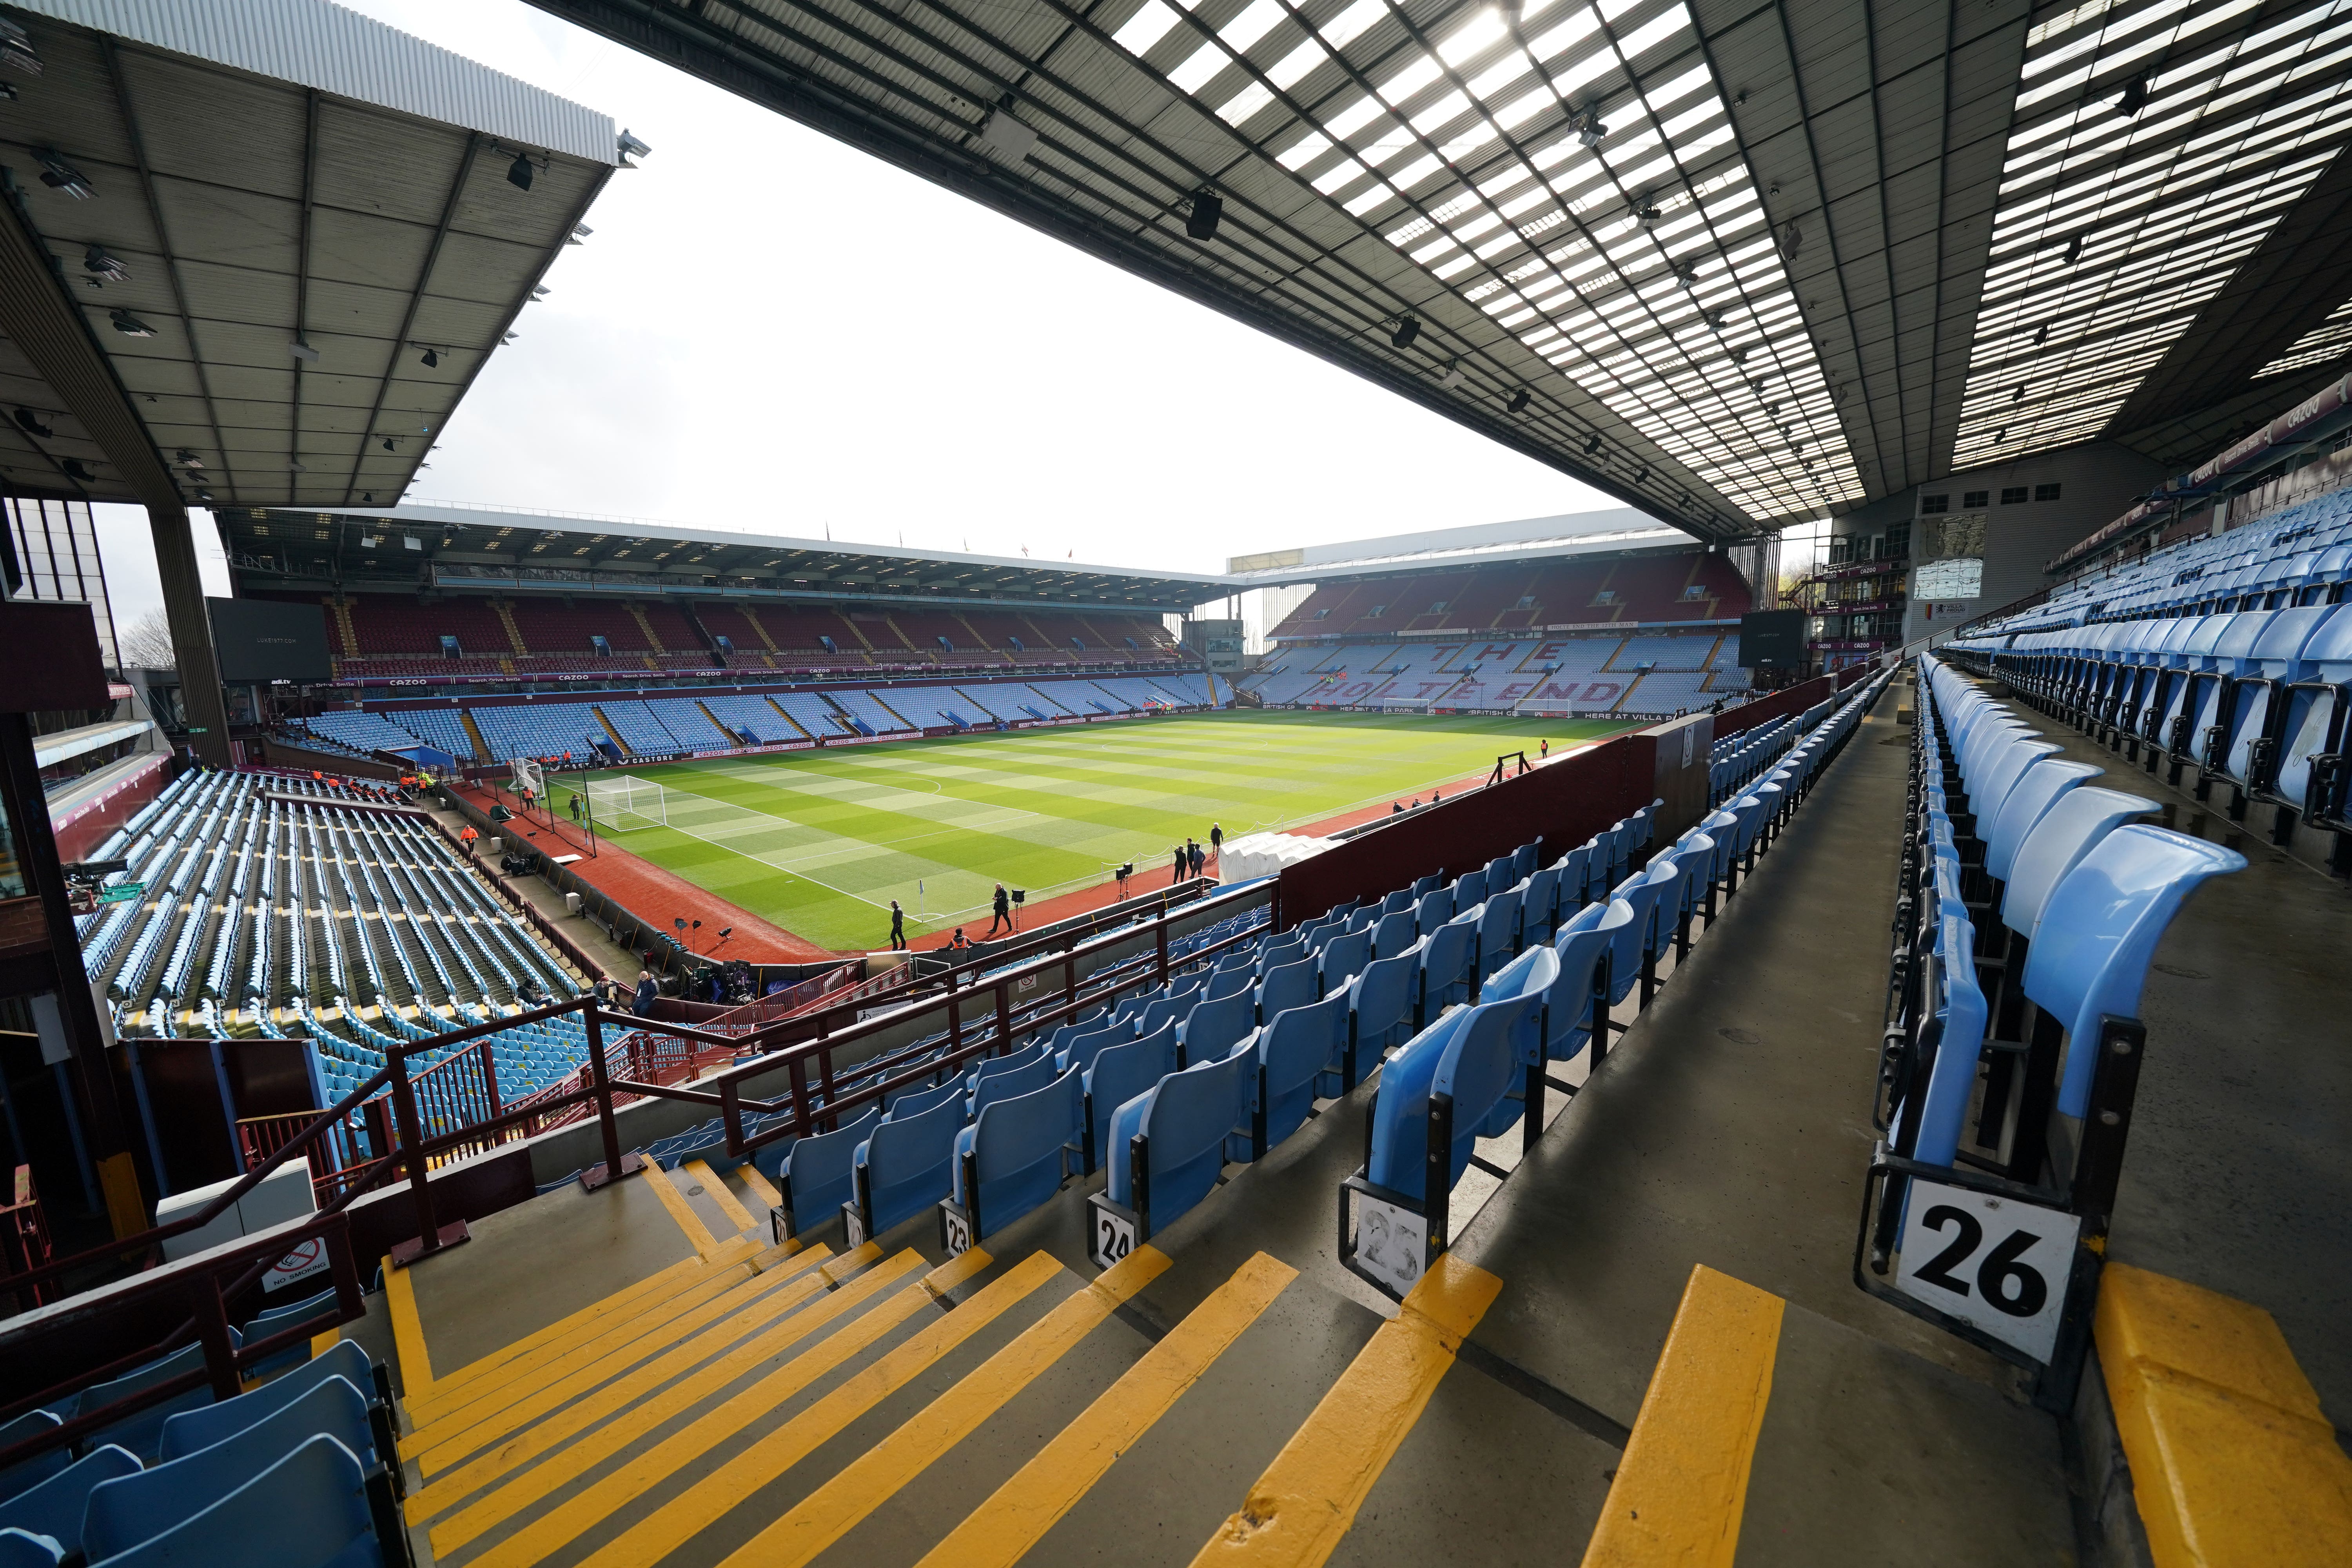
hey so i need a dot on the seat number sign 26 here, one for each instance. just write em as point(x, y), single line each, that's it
point(1996, 1264)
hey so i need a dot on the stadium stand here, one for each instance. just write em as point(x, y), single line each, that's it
point(1684, 585)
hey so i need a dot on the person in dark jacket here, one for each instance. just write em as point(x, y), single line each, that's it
point(1002, 906)
point(898, 928)
point(1216, 839)
point(648, 994)
point(1176, 875)
point(1193, 852)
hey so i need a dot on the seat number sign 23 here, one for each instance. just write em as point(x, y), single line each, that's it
point(1996, 1264)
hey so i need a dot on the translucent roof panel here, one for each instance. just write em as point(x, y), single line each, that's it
point(2154, 145)
point(2332, 338)
point(1574, 177)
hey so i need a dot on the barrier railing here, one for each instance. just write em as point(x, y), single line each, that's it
point(466, 1115)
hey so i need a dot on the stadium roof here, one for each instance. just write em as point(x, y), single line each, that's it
point(1529, 539)
point(431, 544)
point(1748, 262)
point(268, 214)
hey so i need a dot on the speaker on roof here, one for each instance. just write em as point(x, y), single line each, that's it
point(1208, 208)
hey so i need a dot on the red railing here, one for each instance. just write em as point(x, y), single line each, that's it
point(23, 1242)
point(980, 1018)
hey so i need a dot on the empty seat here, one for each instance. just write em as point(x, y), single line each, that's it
point(126, 1511)
point(185, 1433)
point(311, 1509)
point(812, 1175)
point(24, 1549)
point(31, 1472)
point(1211, 1030)
point(1294, 986)
point(1120, 1073)
point(901, 1168)
point(1168, 1144)
point(1029, 1077)
point(1017, 1155)
point(55, 1507)
point(1342, 958)
point(1299, 1054)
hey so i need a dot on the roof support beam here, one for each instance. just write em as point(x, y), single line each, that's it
point(50, 330)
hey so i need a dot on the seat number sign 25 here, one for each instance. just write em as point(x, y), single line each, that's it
point(1996, 1264)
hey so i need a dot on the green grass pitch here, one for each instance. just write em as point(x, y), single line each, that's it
point(820, 842)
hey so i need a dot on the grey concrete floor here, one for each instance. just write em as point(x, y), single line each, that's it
point(2235, 1177)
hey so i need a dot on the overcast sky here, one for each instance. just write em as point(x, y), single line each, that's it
point(771, 330)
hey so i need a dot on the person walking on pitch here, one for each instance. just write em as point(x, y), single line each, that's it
point(1216, 839)
point(1001, 904)
point(898, 928)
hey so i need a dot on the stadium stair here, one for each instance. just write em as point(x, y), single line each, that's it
point(482, 752)
point(514, 633)
point(626, 750)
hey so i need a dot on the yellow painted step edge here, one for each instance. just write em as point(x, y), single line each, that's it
point(697, 1235)
point(653, 1537)
point(729, 1315)
point(407, 1333)
point(1307, 1498)
point(595, 1421)
point(1000, 1531)
point(621, 1338)
point(680, 1276)
point(617, 1487)
point(1682, 1486)
point(2233, 1462)
point(722, 1194)
point(875, 1477)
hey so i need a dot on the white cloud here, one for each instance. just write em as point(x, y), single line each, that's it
point(770, 330)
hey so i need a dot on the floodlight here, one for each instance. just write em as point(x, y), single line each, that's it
point(103, 268)
point(540, 290)
point(2134, 98)
point(388, 445)
point(580, 231)
point(630, 147)
point(1649, 215)
point(61, 175)
point(1519, 402)
point(304, 352)
point(519, 171)
point(76, 470)
point(188, 460)
point(1201, 223)
point(1589, 129)
point(1593, 444)
point(17, 50)
point(1405, 331)
point(1453, 376)
point(31, 422)
point(130, 326)
point(430, 359)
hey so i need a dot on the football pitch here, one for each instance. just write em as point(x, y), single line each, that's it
point(820, 842)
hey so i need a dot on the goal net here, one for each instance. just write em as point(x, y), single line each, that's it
point(622, 802)
point(528, 777)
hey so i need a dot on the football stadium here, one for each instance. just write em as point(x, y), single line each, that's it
point(530, 1036)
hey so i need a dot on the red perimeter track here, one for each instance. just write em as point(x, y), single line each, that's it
point(657, 896)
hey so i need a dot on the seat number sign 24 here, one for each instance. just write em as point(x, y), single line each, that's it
point(1996, 1264)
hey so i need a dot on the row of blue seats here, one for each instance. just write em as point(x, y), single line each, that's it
point(2253, 699)
point(1476, 1072)
point(2301, 554)
point(301, 1470)
point(2033, 903)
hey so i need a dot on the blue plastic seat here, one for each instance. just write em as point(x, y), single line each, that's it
point(1498, 930)
point(185, 1433)
point(143, 1433)
point(812, 1176)
point(2099, 932)
point(902, 1166)
point(1083, 1048)
point(1298, 1055)
point(1231, 982)
point(1016, 1155)
point(1395, 931)
point(1027, 1078)
point(24, 1549)
point(2026, 804)
point(1957, 1006)
point(1342, 957)
point(1383, 1001)
point(1473, 1056)
point(31, 1472)
point(1583, 946)
point(1629, 955)
point(1292, 985)
point(1434, 909)
point(126, 1511)
point(1186, 1122)
point(1470, 887)
point(913, 1102)
point(1211, 1030)
point(55, 1508)
point(1012, 1061)
point(2067, 831)
point(1445, 966)
point(1120, 1073)
point(310, 1508)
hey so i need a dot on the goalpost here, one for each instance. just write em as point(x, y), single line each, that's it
point(624, 802)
